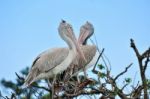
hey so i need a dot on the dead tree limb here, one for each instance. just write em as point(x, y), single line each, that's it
point(142, 67)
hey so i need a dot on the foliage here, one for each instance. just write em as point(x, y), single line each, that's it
point(128, 80)
point(18, 91)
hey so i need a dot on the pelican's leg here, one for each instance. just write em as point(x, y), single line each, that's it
point(50, 86)
point(85, 74)
point(49, 83)
point(53, 87)
point(78, 79)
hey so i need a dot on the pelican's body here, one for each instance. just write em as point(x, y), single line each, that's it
point(51, 62)
point(91, 56)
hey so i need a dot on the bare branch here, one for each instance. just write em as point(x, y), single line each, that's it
point(142, 67)
point(126, 69)
point(146, 53)
point(146, 63)
point(19, 77)
point(13, 96)
point(82, 92)
point(137, 92)
point(1, 96)
point(41, 87)
point(97, 61)
point(124, 87)
point(135, 49)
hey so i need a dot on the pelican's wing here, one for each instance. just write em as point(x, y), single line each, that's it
point(89, 52)
point(46, 61)
point(50, 59)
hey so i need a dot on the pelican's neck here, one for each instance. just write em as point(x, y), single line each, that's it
point(72, 47)
point(67, 62)
point(69, 59)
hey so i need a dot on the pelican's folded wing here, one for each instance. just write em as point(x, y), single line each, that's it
point(50, 59)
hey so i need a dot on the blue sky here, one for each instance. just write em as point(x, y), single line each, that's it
point(28, 27)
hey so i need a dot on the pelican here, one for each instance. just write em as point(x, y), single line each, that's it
point(90, 52)
point(54, 61)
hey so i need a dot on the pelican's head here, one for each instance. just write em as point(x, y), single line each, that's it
point(66, 32)
point(86, 31)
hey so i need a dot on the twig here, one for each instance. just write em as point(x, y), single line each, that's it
point(13, 96)
point(82, 92)
point(135, 49)
point(126, 69)
point(146, 53)
point(107, 61)
point(1, 96)
point(124, 87)
point(97, 61)
point(41, 87)
point(19, 77)
point(137, 92)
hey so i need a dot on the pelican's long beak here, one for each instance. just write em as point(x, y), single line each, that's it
point(80, 52)
point(82, 37)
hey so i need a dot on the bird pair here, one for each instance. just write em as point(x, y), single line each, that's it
point(78, 57)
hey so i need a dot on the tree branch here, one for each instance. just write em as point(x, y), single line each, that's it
point(126, 69)
point(142, 67)
point(135, 49)
point(41, 87)
point(146, 64)
point(146, 53)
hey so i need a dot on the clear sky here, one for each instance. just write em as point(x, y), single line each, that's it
point(28, 27)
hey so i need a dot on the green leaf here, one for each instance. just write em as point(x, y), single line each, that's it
point(25, 71)
point(100, 66)
point(102, 75)
point(46, 96)
point(128, 80)
point(148, 83)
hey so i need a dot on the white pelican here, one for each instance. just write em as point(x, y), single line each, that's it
point(52, 62)
point(90, 52)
